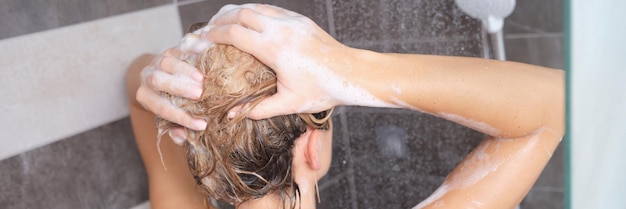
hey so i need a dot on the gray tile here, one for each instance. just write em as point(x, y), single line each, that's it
point(18, 17)
point(467, 48)
point(334, 187)
point(400, 157)
point(197, 12)
point(12, 179)
point(552, 175)
point(543, 198)
point(548, 191)
point(339, 163)
point(542, 51)
point(203, 11)
point(362, 20)
point(336, 195)
point(535, 16)
point(100, 168)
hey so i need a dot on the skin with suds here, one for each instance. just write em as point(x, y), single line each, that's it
point(520, 107)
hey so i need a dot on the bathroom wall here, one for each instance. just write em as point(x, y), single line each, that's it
point(66, 139)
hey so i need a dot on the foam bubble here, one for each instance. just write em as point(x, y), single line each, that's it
point(442, 190)
point(402, 104)
point(339, 88)
point(396, 90)
point(476, 167)
point(483, 127)
point(194, 43)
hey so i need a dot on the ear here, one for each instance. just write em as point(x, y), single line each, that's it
point(312, 149)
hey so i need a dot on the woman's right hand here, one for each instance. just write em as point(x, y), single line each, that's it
point(311, 66)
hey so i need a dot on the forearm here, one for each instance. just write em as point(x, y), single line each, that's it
point(502, 99)
point(497, 174)
point(520, 106)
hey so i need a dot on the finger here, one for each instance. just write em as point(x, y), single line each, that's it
point(270, 107)
point(193, 44)
point(145, 72)
point(175, 66)
point(246, 17)
point(227, 8)
point(165, 109)
point(232, 113)
point(171, 52)
point(275, 11)
point(243, 38)
point(177, 134)
point(237, 110)
point(176, 85)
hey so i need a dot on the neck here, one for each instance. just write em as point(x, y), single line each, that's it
point(273, 201)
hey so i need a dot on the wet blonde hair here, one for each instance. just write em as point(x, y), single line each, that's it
point(239, 159)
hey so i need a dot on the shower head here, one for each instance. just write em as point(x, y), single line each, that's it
point(491, 12)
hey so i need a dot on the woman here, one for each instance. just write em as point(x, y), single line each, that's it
point(520, 107)
point(239, 160)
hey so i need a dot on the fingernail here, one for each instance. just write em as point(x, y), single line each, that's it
point(231, 114)
point(196, 92)
point(198, 77)
point(199, 125)
point(204, 34)
point(177, 139)
point(203, 46)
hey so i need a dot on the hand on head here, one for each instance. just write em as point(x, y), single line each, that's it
point(303, 56)
point(167, 73)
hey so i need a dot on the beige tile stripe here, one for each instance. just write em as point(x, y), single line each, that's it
point(61, 82)
point(144, 205)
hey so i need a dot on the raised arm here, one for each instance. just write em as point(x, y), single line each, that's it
point(501, 99)
point(520, 107)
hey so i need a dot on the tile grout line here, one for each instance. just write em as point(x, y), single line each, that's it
point(331, 18)
point(346, 142)
point(188, 2)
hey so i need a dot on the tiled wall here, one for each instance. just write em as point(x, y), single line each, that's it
point(65, 139)
point(63, 81)
point(100, 168)
point(55, 90)
point(534, 33)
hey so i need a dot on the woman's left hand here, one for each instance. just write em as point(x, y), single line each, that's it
point(167, 73)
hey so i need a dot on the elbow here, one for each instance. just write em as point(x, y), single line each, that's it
point(544, 112)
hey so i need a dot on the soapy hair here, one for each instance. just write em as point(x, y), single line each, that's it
point(239, 159)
